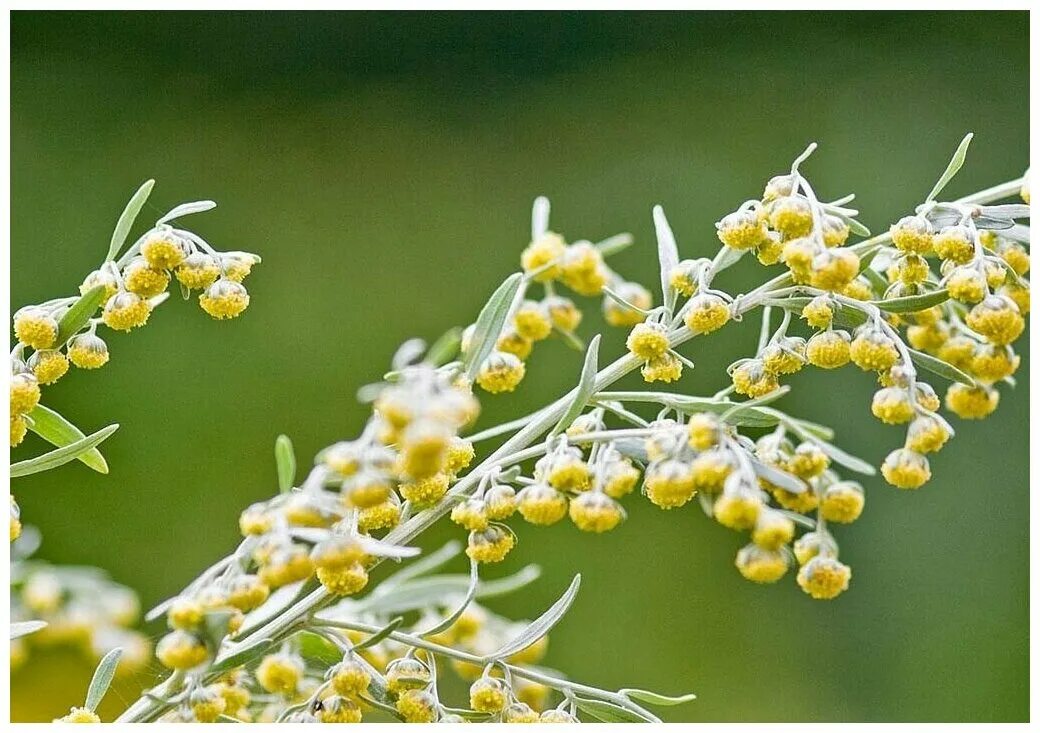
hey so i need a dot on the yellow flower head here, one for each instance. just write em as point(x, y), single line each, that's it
point(858, 289)
point(786, 355)
point(619, 315)
point(198, 271)
point(770, 250)
point(703, 431)
point(752, 379)
point(25, 393)
point(79, 715)
point(565, 470)
point(500, 372)
point(834, 269)
point(906, 469)
point(582, 269)
point(164, 251)
point(547, 250)
point(1016, 256)
point(835, 231)
point(225, 298)
point(811, 544)
point(737, 509)
point(824, 578)
point(470, 514)
point(532, 321)
point(488, 695)
point(772, 529)
point(667, 368)
point(247, 592)
point(181, 650)
point(955, 243)
point(791, 216)
point(912, 269)
point(741, 230)
point(88, 351)
point(828, 349)
point(424, 449)
point(892, 405)
point(761, 565)
point(425, 492)
point(997, 319)
point(100, 277)
point(808, 461)
point(683, 277)
point(912, 234)
point(992, 363)
point(236, 266)
point(557, 716)
point(872, 350)
point(971, 403)
point(343, 581)
point(490, 545)
point(669, 484)
point(48, 366)
point(513, 343)
point(593, 511)
point(384, 515)
point(782, 185)
point(706, 313)
point(648, 341)
point(339, 709)
point(185, 614)
point(927, 434)
point(349, 678)
point(541, 504)
point(35, 327)
point(928, 338)
point(500, 502)
point(142, 279)
point(563, 313)
point(842, 502)
point(818, 312)
point(711, 469)
point(966, 285)
point(519, 712)
point(280, 673)
point(207, 704)
point(126, 310)
point(406, 673)
point(798, 255)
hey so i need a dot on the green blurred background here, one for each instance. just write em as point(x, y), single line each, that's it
point(384, 166)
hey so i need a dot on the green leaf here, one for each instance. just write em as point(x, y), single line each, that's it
point(24, 628)
point(59, 432)
point(77, 316)
point(102, 679)
point(445, 348)
point(867, 256)
point(286, 463)
point(380, 635)
point(491, 321)
point(126, 219)
point(840, 457)
point(775, 476)
point(585, 389)
point(541, 625)
point(608, 712)
point(242, 656)
point(655, 699)
point(613, 245)
point(952, 167)
point(61, 455)
point(913, 303)
point(422, 592)
point(667, 255)
point(940, 367)
point(471, 591)
point(728, 257)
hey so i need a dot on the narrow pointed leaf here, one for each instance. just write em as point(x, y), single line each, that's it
point(193, 207)
point(608, 712)
point(77, 316)
point(286, 463)
point(490, 322)
point(102, 679)
point(126, 219)
point(61, 456)
point(381, 634)
point(24, 628)
point(242, 656)
point(445, 348)
point(471, 591)
point(541, 625)
point(913, 303)
point(1007, 211)
point(940, 368)
point(613, 245)
point(59, 432)
point(655, 699)
point(952, 167)
point(585, 389)
point(667, 255)
point(539, 218)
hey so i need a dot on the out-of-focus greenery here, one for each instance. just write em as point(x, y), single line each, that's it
point(384, 166)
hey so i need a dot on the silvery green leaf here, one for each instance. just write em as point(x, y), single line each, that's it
point(445, 348)
point(875, 279)
point(378, 548)
point(491, 321)
point(667, 255)
point(240, 656)
point(408, 353)
point(584, 390)
point(608, 712)
point(380, 635)
point(842, 458)
point(613, 245)
point(285, 461)
point(775, 476)
point(466, 713)
point(539, 218)
point(1006, 211)
point(423, 592)
point(940, 367)
point(24, 628)
point(61, 456)
point(126, 219)
point(994, 223)
point(227, 719)
point(867, 256)
point(541, 625)
point(275, 604)
point(102, 678)
point(58, 431)
point(726, 258)
point(76, 317)
point(1019, 233)
point(194, 207)
point(572, 340)
point(943, 217)
point(426, 564)
point(913, 303)
point(474, 579)
point(855, 226)
point(952, 167)
point(655, 699)
point(27, 543)
point(216, 626)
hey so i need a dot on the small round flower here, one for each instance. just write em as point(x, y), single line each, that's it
point(958, 350)
point(835, 230)
point(824, 578)
point(142, 279)
point(557, 716)
point(564, 470)
point(955, 243)
point(125, 310)
point(207, 704)
point(236, 266)
point(619, 315)
point(88, 351)
point(782, 185)
point(593, 511)
point(912, 270)
point(48, 366)
point(683, 277)
point(406, 673)
point(1016, 256)
point(16, 523)
point(163, 251)
point(706, 313)
point(488, 695)
point(563, 314)
point(872, 350)
point(997, 318)
point(185, 614)
point(912, 234)
point(100, 277)
point(858, 289)
point(225, 298)
point(35, 327)
point(770, 250)
point(247, 592)
point(791, 216)
point(255, 520)
point(926, 397)
point(648, 341)
point(667, 368)
point(966, 285)
point(532, 321)
point(339, 709)
point(500, 372)
point(349, 678)
point(906, 469)
point(280, 673)
point(427, 491)
point(423, 449)
point(828, 349)
point(703, 431)
point(669, 484)
point(801, 501)
point(490, 545)
point(761, 565)
point(519, 712)
point(582, 269)
point(834, 269)
point(288, 566)
point(181, 650)
point(928, 338)
point(741, 230)
point(737, 510)
point(79, 715)
point(710, 470)
point(25, 393)
point(927, 434)
point(381, 516)
point(992, 363)
point(541, 504)
point(811, 544)
point(819, 312)
point(772, 529)
point(891, 405)
point(366, 489)
point(198, 271)
point(996, 274)
point(343, 581)
point(500, 502)
point(808, 461)
point(971, 403)
point(470, 514)
point(544, 252)
point(619, 478)
point(752, 379)
point(786, 355)
point(842, 502)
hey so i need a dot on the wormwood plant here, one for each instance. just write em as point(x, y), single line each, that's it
point(287, 627)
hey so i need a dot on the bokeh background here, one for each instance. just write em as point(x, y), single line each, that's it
point(384, 166)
